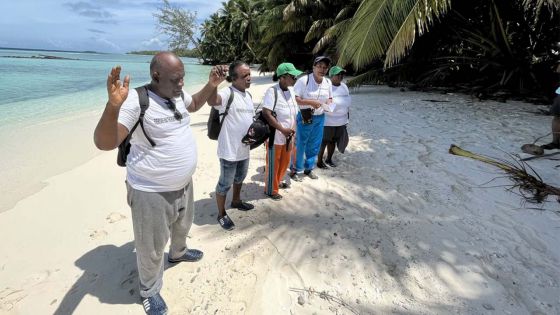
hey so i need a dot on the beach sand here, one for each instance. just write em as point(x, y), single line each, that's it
point(399, 227)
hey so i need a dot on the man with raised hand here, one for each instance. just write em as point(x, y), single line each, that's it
point(159, 172)
point(233, 154)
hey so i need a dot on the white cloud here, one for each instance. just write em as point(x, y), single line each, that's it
point(107, 43)
point(154, 43)
point(58, 44)
point(70, 24)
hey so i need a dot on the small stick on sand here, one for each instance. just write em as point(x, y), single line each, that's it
point(325, 296)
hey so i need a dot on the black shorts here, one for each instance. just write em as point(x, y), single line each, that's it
point(332, 134)
point(337, 135)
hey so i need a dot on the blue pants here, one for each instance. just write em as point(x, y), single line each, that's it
point(308, 142)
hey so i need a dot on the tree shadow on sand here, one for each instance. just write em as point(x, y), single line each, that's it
point(206, 211)
point(370, 235)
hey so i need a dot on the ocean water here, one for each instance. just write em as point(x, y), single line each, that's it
point(49, 109)
point(34, 90)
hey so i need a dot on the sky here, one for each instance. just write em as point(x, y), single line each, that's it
point(116, 26)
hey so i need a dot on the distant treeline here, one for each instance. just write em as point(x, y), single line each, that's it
point(190, 53)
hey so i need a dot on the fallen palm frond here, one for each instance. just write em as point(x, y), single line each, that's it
point(325, 296)
point(526, 180)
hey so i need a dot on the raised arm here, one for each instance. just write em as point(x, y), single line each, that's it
point(109, 133)
point(209, 92)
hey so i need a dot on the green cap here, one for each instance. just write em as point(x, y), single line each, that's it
point(287, 67)
point(336, 70)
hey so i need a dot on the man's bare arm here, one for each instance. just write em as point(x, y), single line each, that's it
point(209, 92)
point(109, 133)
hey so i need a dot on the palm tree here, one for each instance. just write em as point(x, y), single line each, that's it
point(230, 33)
point(387, 28)
point(281, 36)
point(329, 30)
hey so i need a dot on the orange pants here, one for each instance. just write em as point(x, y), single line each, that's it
point(277, 161)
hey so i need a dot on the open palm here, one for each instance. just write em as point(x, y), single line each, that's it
point(117, 90)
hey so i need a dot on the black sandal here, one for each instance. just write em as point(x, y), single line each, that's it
point(550, 146)
point(284, 185)
point(191, 255)
point(226, 223)
point(243, 206)
point(275, 197)
point(330, 163)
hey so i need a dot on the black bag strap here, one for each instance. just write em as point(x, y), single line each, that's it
point(273, 130)
point(275, 99)
point(230, 100)
point(144, 100)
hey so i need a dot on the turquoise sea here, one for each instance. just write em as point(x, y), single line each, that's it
point(36, 88)
point(49, 108)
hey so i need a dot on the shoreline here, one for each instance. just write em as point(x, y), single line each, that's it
point(400, 226)
point(35, 148)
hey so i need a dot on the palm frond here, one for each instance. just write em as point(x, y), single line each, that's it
point(372, 30)
point(331, 34)
point(317, 29)
point(370, 76)
point(348, 11)
point(294, 26)
point(537, 5)
point(420, 17)
point(524, 177)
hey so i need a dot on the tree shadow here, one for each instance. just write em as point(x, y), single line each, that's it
point(109, 273)
point(401, 235)
point(206, 211)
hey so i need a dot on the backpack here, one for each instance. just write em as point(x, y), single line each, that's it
point(124, 147)
point(260, 129)
point(214, 123)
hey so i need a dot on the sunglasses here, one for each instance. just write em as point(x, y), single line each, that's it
point(171, 105)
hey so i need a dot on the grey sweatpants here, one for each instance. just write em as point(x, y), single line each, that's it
point(155, 217)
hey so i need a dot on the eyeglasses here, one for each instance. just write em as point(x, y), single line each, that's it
point(171, 105)
point(291, 77)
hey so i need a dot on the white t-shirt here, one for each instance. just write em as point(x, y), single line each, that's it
point(307, 88)
point(235, 125)
point(170, 164)
point(342, 100)
point(286, 109)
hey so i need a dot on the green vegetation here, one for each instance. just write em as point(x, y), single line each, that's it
point(490, 48)
point(191, 53)
point(178, 24)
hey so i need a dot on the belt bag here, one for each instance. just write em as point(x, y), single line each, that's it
point(307, 115)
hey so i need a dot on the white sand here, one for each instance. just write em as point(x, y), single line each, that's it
point(399, 227)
